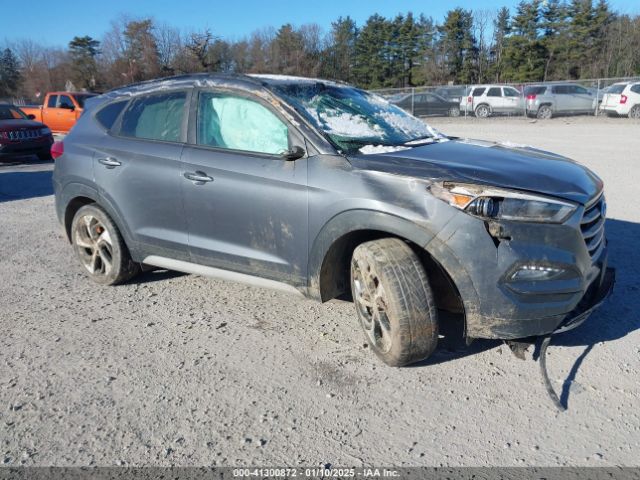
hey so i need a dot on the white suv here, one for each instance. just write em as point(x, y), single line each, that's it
point(622, 99)
point(486, 100)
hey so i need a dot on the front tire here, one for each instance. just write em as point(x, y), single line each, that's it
point(454, 112)
point(100, 248)
point(394, 301)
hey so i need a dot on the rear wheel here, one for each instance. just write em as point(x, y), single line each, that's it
point(483, 111)
point(635, 112)
point(544, 112)
point(100, 247)
point(394, 301)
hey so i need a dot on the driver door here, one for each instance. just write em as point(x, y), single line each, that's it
point(246, 206)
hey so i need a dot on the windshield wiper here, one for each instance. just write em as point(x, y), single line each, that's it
point(421, 140)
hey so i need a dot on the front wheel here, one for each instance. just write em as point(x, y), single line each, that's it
point(634, 113)
point(394, 301)
point(100, 247)
point(454, 112)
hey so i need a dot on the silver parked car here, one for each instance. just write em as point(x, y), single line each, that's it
point(545, 101)
point(487, 100)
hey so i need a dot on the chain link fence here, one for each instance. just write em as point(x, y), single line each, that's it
point(534, 99)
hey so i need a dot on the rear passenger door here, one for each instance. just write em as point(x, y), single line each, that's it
point(561, 98)
point(138, 171)
point(246, 206)
point(495, 99)
point(513, 100)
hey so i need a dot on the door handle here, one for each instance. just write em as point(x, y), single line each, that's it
point(198, 177)
point(109, 162)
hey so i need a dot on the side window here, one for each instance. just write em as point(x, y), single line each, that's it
point(560, 89)
point(53, 100)
point(108, 115)
point(238, 123)
point(494, 92)
point(511, 92)
point(155, 117)
point(66, 102)
point(580, 90)
point(477, 92)
point(635, 88)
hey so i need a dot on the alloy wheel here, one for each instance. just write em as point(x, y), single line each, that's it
point(94, 244)
point(370, 299)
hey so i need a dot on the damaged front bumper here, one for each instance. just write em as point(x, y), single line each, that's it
point(595, 296)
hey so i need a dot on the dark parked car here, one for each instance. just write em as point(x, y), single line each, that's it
point(452, 93)
point(19, 135)
point(424, 104)
point(329, 191)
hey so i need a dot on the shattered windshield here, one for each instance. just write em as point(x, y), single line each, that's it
point(353, 119)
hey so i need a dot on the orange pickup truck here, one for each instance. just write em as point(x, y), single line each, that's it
point(60, 110)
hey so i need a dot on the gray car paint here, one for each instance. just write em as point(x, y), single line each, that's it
point(280, 219)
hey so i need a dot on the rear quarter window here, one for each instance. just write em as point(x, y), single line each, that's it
point(635, 88)
point(155, 117)
point(108, 115)
point(535, 90)
point(615, 89)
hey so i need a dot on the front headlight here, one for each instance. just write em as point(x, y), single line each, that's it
point(502, 204)
point(45, 131)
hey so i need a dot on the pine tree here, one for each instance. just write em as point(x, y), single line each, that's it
point(525, 53)
point(372, 61)
point(501, 29)
point(459, 46)
point(10, 77)
point(141, 50)
point(342, 51)
point(83, 52)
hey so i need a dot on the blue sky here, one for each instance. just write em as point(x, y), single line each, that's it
point(230, 19)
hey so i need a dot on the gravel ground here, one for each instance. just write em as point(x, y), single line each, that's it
point(182, 370)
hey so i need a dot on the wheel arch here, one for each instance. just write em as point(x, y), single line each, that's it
point(75, 196)
point(330, 257)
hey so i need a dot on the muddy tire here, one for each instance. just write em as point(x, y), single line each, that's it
point(394, 301)
point(634, 113)
point(544, 112)
point(99, 246)
point(483, 111)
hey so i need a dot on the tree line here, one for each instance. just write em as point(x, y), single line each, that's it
point(537, 41)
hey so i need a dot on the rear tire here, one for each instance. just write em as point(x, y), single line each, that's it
point(100, 248)
point(394, 301)
point(483, 111)
point(634, 113)
point(544, 112)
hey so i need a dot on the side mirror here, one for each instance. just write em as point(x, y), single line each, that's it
point(31, 116)
point(295, 153)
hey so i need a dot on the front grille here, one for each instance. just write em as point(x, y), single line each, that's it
point(23, 134)
point(592, 224)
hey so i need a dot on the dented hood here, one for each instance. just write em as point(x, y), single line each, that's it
point(502, 165)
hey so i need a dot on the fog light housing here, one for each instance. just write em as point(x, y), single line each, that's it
point(530, 273)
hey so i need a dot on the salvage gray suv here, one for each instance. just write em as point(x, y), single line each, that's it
point(329, 191)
